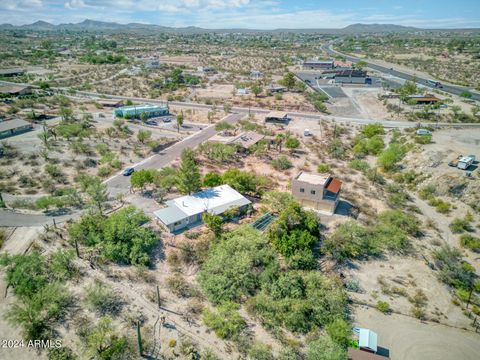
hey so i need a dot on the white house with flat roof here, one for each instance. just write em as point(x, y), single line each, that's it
point(186, 211)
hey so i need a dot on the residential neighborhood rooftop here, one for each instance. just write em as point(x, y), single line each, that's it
point(314, 179)
point(213, 200)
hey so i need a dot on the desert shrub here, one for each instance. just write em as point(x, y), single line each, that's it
point(101, 298)
point(218, 152)
point(383, 306)
point(299, 301)
point(323, 168)
point(276, 201)
point(453, 270)
point(234, 267)
point(460, 225)
point(41, 296)
point(294, 230)
point(324, 348)
point(390, 157)
point(212, 179)
point(391, 232)
point(340, 332)
point(360, 165)
point(259, 351)
point(423, 139)
point(470, 242)
point(180, 287)
point(121, 236)
point(281, 163)
point(245, 182)
point(225, 321)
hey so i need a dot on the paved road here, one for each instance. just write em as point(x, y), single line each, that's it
point(455, 90)
point(11, 218)
point(120, 183)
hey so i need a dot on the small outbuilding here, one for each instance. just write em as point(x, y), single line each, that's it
point(14, 127)
point(277, 117)
point(11, 72)
point(15, 90)
point(367, 340)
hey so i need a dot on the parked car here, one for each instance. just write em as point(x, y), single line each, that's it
point(128, 171)
point(167, 119)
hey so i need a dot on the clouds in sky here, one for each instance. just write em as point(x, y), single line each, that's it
point(258, 14)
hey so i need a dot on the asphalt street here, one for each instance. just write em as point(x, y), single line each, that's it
point(120, 183)
point(455, 90)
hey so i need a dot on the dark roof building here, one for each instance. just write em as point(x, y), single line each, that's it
point(318, 64)
point(11, 72)
point(14, 127)
point(351, 76)
point(15, 90)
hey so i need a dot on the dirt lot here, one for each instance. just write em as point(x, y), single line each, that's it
point(410, 339)
point(365, 100)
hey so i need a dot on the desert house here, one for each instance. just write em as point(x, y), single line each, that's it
point(186, 211)
point(318, 192)
point(14, 127)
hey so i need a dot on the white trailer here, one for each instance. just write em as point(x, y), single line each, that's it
point(465, 162)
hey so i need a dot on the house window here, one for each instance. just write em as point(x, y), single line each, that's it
point(312, 192)
point(302, 190)
point(177, 223)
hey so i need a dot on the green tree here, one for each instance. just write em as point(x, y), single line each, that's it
point(256, 89)
point(340, 332)
point(324, 348)
point(390, 157)
point(189, 178)
point(141, 178)
point(180, 119)
point(102, 341)
point(65, 113)
point(212, 179)
point(144, 135)
point(288, 80)
point(214, 223)
point(294, 230)
point(292, 143)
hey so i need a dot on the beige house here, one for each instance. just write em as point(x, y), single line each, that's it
point(319, 192)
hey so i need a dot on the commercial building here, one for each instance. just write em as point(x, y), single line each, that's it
point(135, 111)
point(318, 64)
point(318, 192)
point(14, 127)
point(110, 103)
point(350, 77)
point(186, 211)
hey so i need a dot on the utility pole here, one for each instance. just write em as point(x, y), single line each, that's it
point(139, 339)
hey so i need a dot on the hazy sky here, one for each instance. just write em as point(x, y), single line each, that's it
point(254, 14)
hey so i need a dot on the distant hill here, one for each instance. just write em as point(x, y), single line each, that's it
point(377, 28)
point(94, 25)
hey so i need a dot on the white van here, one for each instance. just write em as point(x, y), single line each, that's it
point(465, 162)
point(307, 132)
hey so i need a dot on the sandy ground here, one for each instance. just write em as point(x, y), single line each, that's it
point(409, 274)
point(216, 91)
point(410, 339)
point(366, 102)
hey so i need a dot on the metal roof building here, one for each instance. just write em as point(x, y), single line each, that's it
point(367, 339)
point(187, 211)
point(135, 111)
point(14, 127)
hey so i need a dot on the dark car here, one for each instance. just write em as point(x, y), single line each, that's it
point(128, 171)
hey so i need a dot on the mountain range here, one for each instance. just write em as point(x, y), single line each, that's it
point(93, 25)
